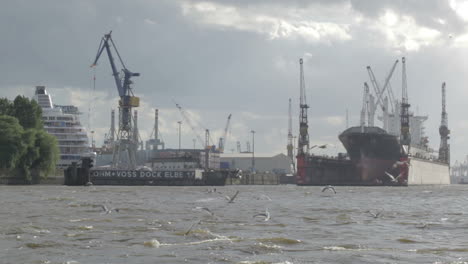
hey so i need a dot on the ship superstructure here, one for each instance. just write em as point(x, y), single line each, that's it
point(62, 121)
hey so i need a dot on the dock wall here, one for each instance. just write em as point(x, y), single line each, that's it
point(425, 172)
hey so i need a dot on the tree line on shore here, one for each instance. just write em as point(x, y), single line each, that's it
point(27, 151)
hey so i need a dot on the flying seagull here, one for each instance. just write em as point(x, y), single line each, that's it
point(108, 211)
point(328, 187)
point(375, 215)
point(231, 199)
point(393, 179)
point(266, 214)
point(206, 209)
point(190, 229)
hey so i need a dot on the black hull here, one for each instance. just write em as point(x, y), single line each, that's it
point(372, 153)
point(370, 142)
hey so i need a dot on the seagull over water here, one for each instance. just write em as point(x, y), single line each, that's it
point(206, 209)
point(266, 214)
point(190, 229)
point(392, 178)
point(231, 199)
point(329, 187)
point(375, 215)
point(108, 211)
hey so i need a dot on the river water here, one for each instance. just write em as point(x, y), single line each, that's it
point(60, 224)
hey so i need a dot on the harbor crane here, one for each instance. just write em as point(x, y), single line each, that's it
point(290, 147)
point(379, 92)
point(365, 106)
point(405, 137)
point(183, 113)
point(444, 150)
point(125, 142)
point(303, 143)
point(223, 139)
point(204, 143)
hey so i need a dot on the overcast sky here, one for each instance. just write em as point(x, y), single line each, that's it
point(241, 57)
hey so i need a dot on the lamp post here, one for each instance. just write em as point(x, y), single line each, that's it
point(180, 124)
point(253, 150)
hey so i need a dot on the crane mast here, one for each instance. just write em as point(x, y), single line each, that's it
point(365, 106)
point(444, 150)
point(289, 147)
point(405, 137)
point(125, 142)
point(303, 142)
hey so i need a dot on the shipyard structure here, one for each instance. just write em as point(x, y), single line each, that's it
point(396, 154)
point(124, 161)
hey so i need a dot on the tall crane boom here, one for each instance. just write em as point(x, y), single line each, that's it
point(378, 91)
point(387, 84)
point(123, 86)
point(187, 120)
point(125, 137)
point(223, 139)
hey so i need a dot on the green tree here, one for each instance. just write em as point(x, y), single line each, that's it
point(12, 147)
point(48, 153)
point(28, 112)
point(24, 165)
point(24, 144)
point(5, 106)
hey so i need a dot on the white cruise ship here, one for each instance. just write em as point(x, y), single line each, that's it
point(62, 121)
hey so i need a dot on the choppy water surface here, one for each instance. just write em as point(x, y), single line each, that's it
point(59, 224)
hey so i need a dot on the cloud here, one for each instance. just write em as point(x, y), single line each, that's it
point(149, 21)
point(404, 33)
point(274, 26)
point(240, 57)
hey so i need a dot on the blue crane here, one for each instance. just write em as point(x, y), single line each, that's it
point(127, 101)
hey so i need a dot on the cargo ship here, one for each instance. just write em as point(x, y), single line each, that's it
point(376, 157)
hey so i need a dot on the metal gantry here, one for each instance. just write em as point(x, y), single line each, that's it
point(303, 142)
point(444, 150)
point(405, 137)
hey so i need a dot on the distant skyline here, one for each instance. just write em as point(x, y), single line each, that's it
point(217, 58)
